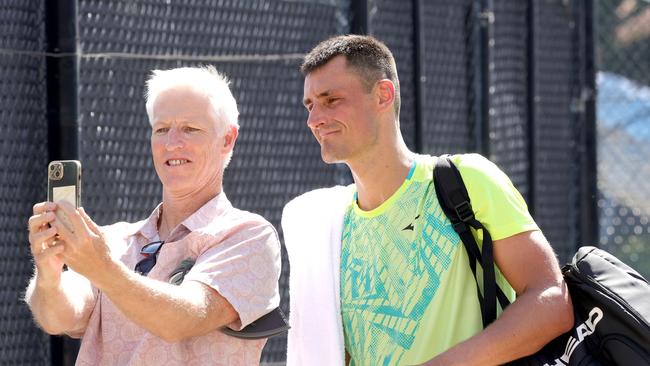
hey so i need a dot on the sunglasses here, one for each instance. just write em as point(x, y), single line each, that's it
point(150, 253)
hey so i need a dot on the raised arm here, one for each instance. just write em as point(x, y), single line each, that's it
point(61, 302)
point(171, 312)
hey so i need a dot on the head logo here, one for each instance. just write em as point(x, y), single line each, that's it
point(583, 330)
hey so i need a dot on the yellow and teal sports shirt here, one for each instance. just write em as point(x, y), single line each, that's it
point(407, 292)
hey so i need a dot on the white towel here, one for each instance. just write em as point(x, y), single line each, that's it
point(312, 224)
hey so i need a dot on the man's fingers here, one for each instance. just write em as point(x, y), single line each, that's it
point(43, 207)
point(36, 239)
point(89, 222)
point(65, 221)
point(37, 221)
point(63, 231)
point(70, 217)
point(49, 252)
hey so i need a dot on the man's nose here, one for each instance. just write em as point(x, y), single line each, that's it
point(315, 118)
point(174, 139)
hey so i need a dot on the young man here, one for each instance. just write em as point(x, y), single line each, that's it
point(122, 295)
point(378, 275)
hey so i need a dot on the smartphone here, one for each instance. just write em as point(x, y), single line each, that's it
point(64, 184)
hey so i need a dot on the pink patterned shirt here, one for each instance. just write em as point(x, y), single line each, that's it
point(237, 253)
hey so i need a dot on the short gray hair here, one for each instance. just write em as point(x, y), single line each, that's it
point(204, 79)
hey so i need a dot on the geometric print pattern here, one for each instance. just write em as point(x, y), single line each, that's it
point(237, 254)
point(391, 266)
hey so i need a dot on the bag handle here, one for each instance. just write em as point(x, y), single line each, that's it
point(454, 200)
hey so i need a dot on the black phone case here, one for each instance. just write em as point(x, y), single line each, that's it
point(71, 177)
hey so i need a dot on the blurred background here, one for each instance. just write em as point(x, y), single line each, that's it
point(556, 92)
point(623, 126)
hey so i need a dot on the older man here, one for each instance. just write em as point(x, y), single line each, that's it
point(117, 294)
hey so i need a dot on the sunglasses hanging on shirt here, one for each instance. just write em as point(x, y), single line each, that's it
point(150, 253)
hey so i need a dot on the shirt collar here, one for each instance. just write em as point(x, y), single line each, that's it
point(199, 219)
point(149, 227)
point(206, 214)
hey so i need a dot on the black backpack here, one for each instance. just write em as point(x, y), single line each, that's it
point(611, 301)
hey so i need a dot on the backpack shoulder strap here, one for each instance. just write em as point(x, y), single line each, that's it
point(455, 202)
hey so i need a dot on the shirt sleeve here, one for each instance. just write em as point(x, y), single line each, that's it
point(496, 202)
point(244, 268)
point(81, 283)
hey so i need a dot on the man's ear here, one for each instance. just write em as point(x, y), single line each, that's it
point(229, 139)
point(385, 93)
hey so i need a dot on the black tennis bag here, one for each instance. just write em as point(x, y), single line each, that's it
point(611, 306)
point(611, 301)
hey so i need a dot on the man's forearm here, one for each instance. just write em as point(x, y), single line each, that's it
point(168, 311)
point(58, 306)
point(524, 327)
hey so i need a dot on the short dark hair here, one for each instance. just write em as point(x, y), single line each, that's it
point(370, 59)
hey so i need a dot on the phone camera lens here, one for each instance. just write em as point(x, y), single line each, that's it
point(56, 172)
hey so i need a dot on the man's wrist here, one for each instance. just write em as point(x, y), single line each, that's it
point(109, 278)
point(47, 282)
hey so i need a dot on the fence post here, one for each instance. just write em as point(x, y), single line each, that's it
point(485, 30)
point(418, 74)
point(531, 106)
point(589, 223)
point(359, 23)
point(62, 74)
point(62, 69)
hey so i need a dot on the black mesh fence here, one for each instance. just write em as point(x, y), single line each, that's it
point(524, 111)
point(447, 96)
point(508, 94)
point(623, 129)
point(23, 158)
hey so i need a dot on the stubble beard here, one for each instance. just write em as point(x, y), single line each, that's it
point(331, 155)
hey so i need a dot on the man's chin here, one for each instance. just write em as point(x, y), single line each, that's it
point(330, 158)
